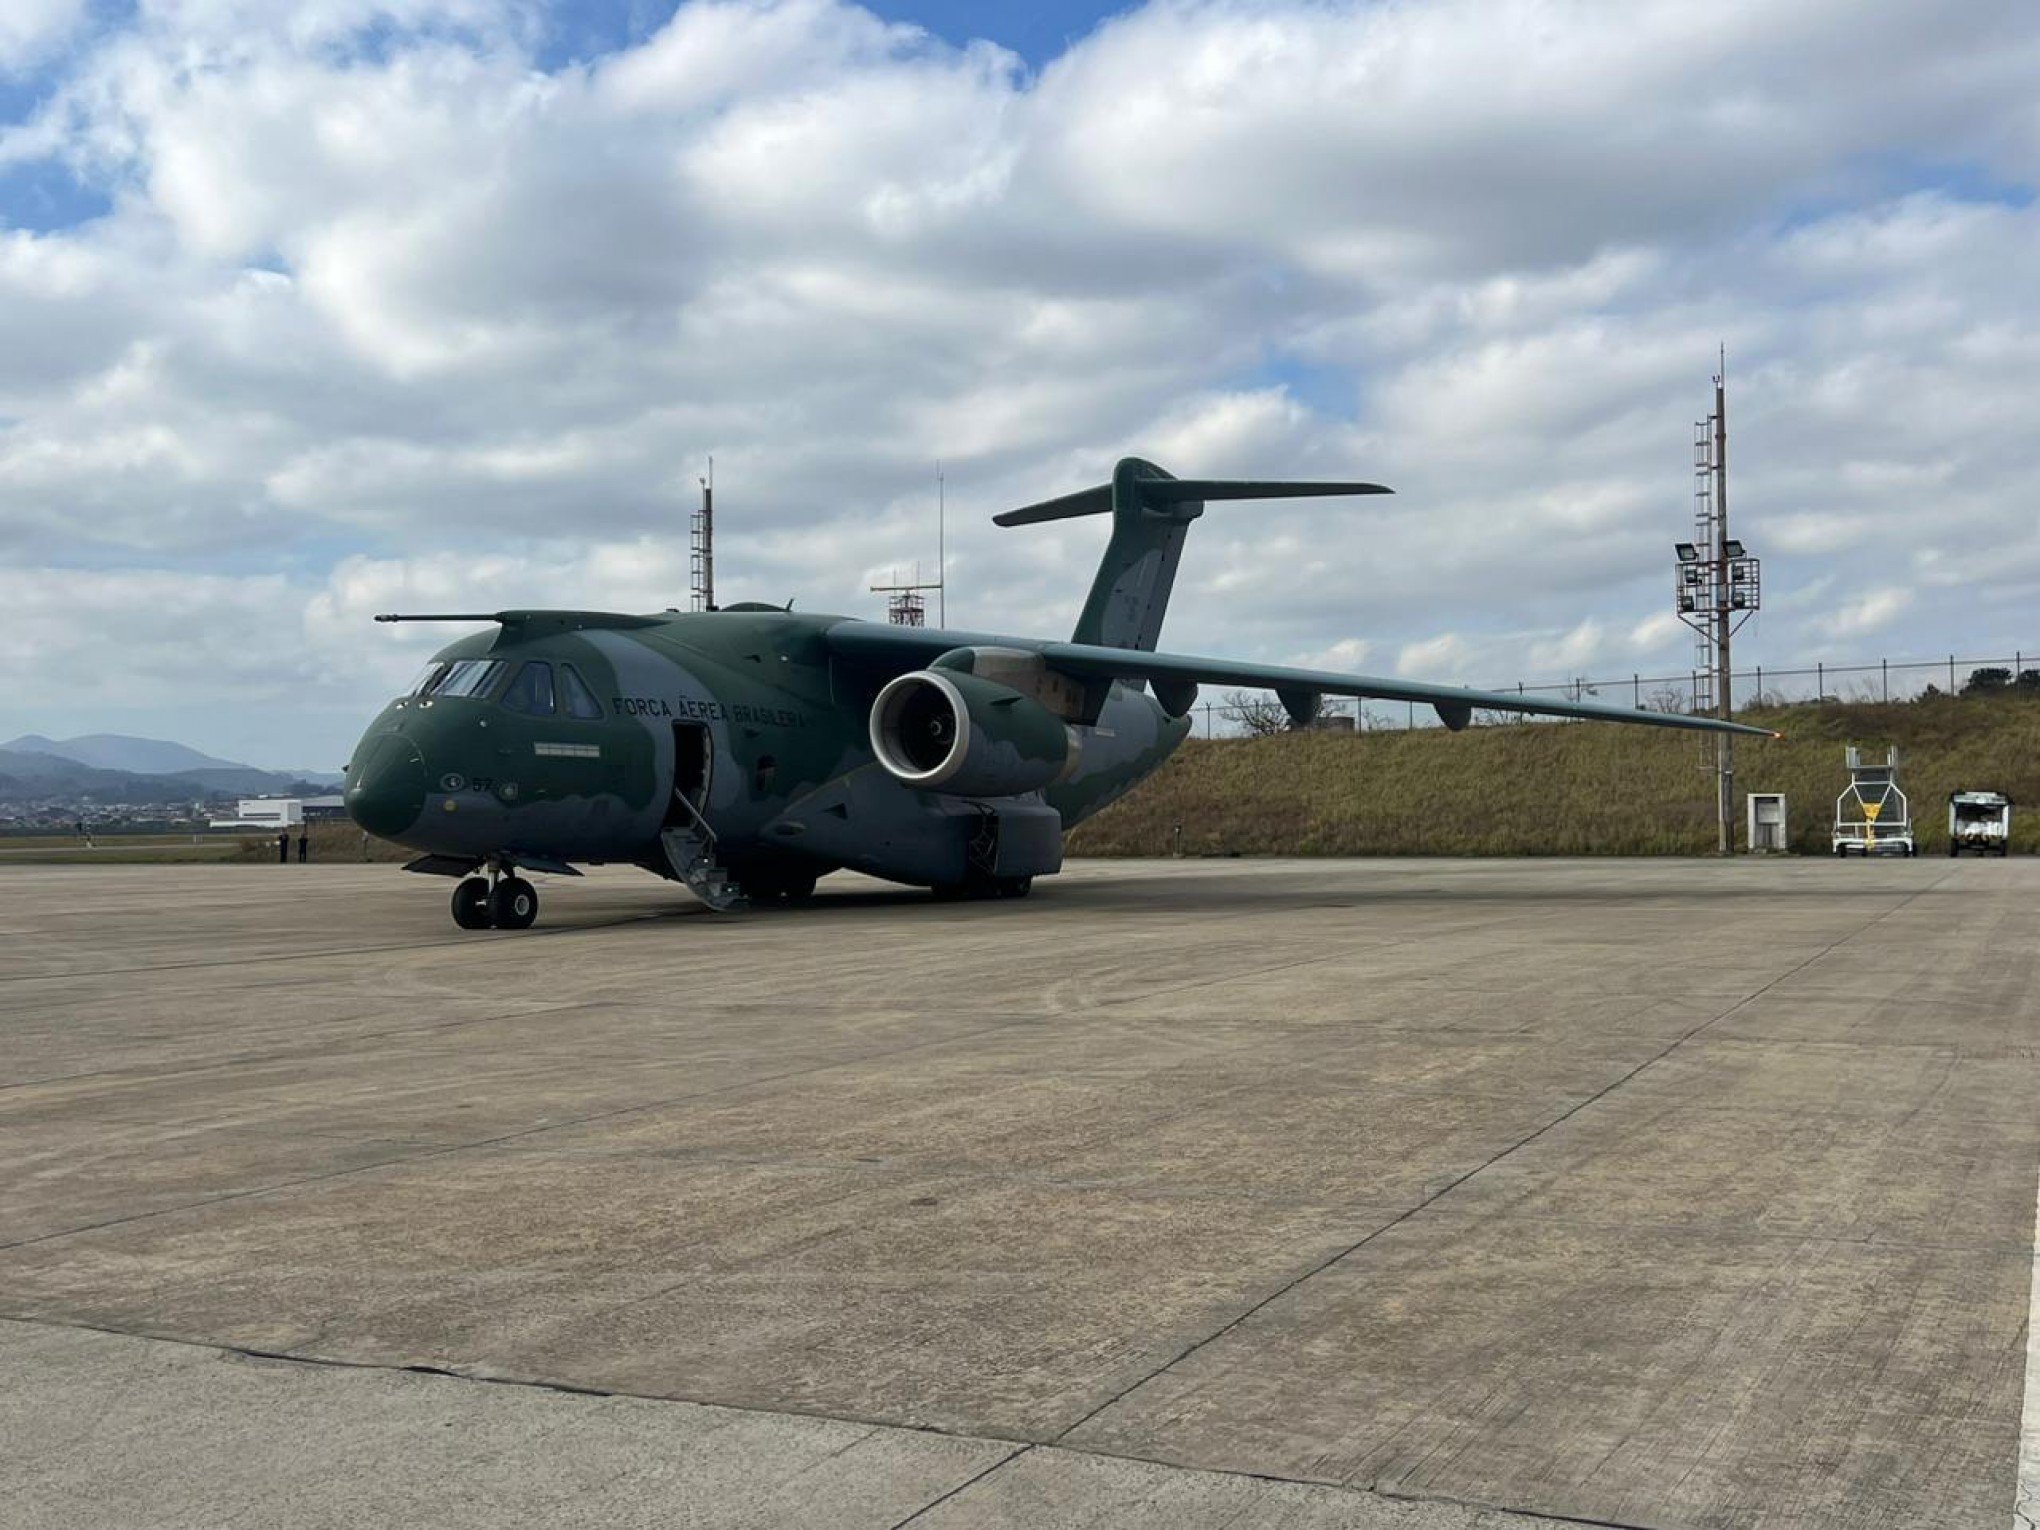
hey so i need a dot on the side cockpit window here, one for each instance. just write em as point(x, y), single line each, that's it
point(469, 677)
point(426, 681)
point(532, 691)
point(576, 700)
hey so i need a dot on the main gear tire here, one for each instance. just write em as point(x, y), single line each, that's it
point(471, 904)
point(514, 904)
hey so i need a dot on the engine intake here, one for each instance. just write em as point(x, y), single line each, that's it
point(950, 731)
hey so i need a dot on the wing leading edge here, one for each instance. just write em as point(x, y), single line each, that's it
point(1455, 704)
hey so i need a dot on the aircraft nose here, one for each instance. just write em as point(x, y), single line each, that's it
point(386, 787)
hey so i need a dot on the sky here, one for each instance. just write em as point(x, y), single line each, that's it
point(310, 311)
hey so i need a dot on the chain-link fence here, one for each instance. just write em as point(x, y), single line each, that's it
point(1241, 714)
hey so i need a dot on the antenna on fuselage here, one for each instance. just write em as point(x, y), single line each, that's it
point(701, 545)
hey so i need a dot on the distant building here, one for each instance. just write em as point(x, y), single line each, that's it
point(283, 812)
point(266, 813)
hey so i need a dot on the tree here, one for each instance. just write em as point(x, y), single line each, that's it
point(1665, 698)
point(1258, 714)
point(1985, 682)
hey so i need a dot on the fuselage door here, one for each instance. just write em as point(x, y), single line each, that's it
point(693, 759)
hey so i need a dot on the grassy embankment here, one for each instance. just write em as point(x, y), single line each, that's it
point(1565, 788)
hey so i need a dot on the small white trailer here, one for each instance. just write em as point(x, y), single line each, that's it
point(1979, 822)
point(1872, 817)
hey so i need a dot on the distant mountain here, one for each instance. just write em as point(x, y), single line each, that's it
point(32, 776)
point(45, 778)
point(118, 751)
point(161, 757)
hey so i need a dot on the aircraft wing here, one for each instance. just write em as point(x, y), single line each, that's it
point(1454, 704)
point(903, 647)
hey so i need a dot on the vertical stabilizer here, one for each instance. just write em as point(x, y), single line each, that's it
point(1130, 593)
point(1151, 514)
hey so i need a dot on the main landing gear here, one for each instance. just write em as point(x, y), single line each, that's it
point(499, 901)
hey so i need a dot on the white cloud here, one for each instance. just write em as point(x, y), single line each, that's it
point(1868, 613)
point(385, 311)
point(31, 29)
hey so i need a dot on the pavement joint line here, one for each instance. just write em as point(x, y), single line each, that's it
point(446, 1149)
point(964, 1486)
point(1021, 1446)
point(2026, 1491)
point(1418, 1209)
point(526, 1383)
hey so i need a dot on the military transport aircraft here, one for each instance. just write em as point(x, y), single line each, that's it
point(749, 750)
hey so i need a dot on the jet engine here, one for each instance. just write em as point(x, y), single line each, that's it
point(946, 730)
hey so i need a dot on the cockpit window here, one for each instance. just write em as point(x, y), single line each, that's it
point(532, 690)
point(425, 681)
point(575, 697)
point(469, 677)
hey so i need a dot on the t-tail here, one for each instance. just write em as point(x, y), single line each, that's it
point(1151, 514)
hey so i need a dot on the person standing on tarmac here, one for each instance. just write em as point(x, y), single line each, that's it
point(304, 844)
point(283, 847)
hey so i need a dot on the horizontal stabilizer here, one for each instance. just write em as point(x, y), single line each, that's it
point(1167, 489)
point(1176, 491)
point(1096, 501)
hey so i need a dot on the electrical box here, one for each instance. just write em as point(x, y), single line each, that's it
point(1767, 822)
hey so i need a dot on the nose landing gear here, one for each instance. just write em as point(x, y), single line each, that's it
point(502, 900)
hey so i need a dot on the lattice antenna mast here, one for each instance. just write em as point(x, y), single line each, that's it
point(1718, 586)
point(701, 546)
point(906, 605)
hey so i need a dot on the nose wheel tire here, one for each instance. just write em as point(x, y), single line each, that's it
point(471, 904)
point(514, 904)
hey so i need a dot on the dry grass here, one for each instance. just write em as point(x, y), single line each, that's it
point(1564, 788)
point(331, 842)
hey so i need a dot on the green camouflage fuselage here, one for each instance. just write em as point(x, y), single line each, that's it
point(791, 783)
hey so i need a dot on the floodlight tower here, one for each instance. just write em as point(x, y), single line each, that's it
point(1718, 586)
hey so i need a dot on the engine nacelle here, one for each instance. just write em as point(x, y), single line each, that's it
point(946, 730)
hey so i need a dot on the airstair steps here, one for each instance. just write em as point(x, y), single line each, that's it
point(692, 858)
